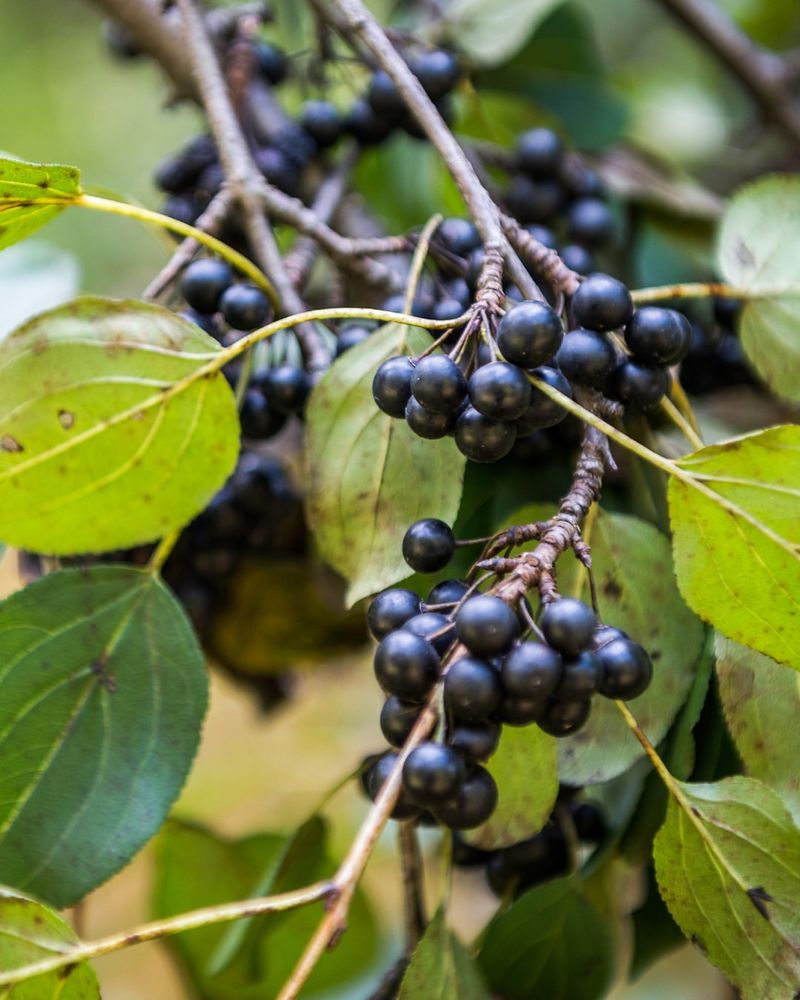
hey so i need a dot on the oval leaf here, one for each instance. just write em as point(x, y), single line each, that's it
point(632, 565)
point(728, 868)
point(369, 476)
point(525, 769)
point(549, 943)
point(440, 968)
point(103, 690)
point(761, 702)
point(29, 932)
point(94, 455)
point(738, 564)
point(759, 251)
point(23, 187)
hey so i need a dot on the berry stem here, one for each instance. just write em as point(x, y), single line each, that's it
point(413, 876)
point(681, 422)
point(687, 290)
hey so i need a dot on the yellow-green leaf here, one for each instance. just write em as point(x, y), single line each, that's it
point(23, 189)
point(738, 559)
point(96, 450)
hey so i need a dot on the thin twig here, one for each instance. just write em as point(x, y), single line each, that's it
point(411, 867)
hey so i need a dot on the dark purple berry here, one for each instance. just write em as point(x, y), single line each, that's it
point(245, 307)
point(472, 689)
point(433, 774)
point(529, 334)
point(390, 610)
point(476, 741)
point(427, 424)
point(586, 357)
point(438, 383)
point(581, 677)
point(406, 665)
point(563, 718)
point(590, 222)
point(436, 628)
point(542, 411)
point(602, 303)
point(640, 385)
point(473, 805)
point(486, 625)
point(397, 720)
point(628, 669)
point(377, 774)
point(428, 545)
point(658, 336)
point(531, 670)
point(499, 390)
point(539, 152)
point(391, 386)
point(568, 625)
point(481, 438)
point(203, 283)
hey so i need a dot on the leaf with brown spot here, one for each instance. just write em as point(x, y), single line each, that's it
point(370, 477)
point(730, 876)
point(29, 932)
point(81, 461)
point(23, 189)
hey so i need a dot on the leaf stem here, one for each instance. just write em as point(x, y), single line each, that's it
point(688, 290)
point(681, 423)
point(237, 260)
point(162, 551)
point(221, 913)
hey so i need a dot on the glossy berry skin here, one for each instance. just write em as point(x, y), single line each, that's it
point(481, 438)
point(563, 718)
point(383, 95)
point(628, 669)
point(203, 283)
point(587, 358)
point(486, 625)
point(244, 307)
point(472, 689)
point(378, 773)
point(397, 720)
point(322, 121)
point(473, 805)
point(438, 71)
point(581, 677)
point(446, 592)
point(390, 610)
point(534, 200)
point(433, 774)
point(459, 236)
point(499, 390)
point(531, 670)
point(568, 625)
point(590, 223)
point(447, 309)
point(428, 545)
point(542, 411)
point(391, 386)
point(640, 385)
point(438, 384)
point(602, 303)
point(605, 634)
point(539, 152)
point(429, 624)
point(406, 665)
point(475, 741)
point(529, 334)
point(258, 419)
point(658, 336)
point(286, 388)
point(427, 424)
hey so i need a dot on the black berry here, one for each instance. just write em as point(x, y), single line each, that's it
point(203, 283)
point(641, 385)
point(516, 711)
point(529, 334)
point(433, 774)
point(438, 71)
point(568, 625)
point(562, 718)
point(366, 126)
point(602, 303)
point(459, 236)
point(287, 388)
point(473, 805)
point(377, 774)
point(534, 200)
point(499, 390)
point(542, 411)
point(581, 676)
point(658, 336)
point(476, 741)
point(586, 357)
point(397, 720)
point(322, 121)
point(383, 95)
point(391, 386)
point(406, 665)
point(271, 61)
point(436, 628)
point(577, 258)
point(486, 625)
point(258, 419)
point(428, 545)
point(438, 383)
point(447, 592)
point(628, 669)
point(481, 438)
point(539, 152)
point(390, 610)
point(427, 424)
point(244, 307)
point(531, 670)
point(590, 222)
point(472, 689)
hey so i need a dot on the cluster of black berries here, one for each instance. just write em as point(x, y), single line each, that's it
point(716, 359)
point(528, 863)
point(226, 309)
point(504, 678)
point(485, 403)
point(560, 201)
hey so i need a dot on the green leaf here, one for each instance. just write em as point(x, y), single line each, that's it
point(738, 563)
point(728, 868)
point(440, 968)
point(632, 566)
point(264, 958)
point(22, 185)
point(549, 943)
point(94, 455)
point(34, 276)
point(30, 931)
point(525, 769)
point(761, 702)
point(103, 690)
point(759, 252)
point(369, 475)
point(490, 33)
